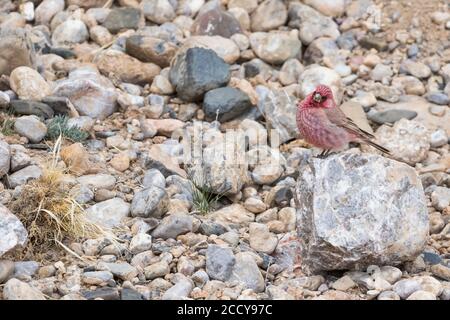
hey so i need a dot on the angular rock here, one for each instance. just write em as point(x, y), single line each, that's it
point(270, 14)
point(12, 232)
point(311, 23)
point(219, 262)
point(17, 290)
point(22, 176)
point(91, 94)
point(149, 202)
point(315, 75)
point(225, 48)
point(398, 216)
point(5, 158)
point(158, 11)
point(246, 272)
point(225, 103)
point(197, 71)
point(126, 68)
point(16, 50)
point(70, 32)
point(173, 225)
point(122, 18)
point(408, 140)
point(28, 107)
point(234, 214)
point(108, 213)
point(149, 49)
point(216, 22)
point(278, 108)
point(276, 47)
point(99, 181)
point(392, 116)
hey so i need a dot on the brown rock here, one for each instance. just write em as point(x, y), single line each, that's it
point(126, 68)
point(149, 49)
point(120, 162)
point(77, 160)
point(15, 50)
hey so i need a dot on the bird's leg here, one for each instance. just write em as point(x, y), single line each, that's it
point(323, 154)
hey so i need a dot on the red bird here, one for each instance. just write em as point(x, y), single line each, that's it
point(323, 124)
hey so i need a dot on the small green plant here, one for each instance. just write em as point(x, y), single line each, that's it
point(203, 195)
point(59, 126)
point(7, 127)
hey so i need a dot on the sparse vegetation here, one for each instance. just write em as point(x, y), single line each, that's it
point(7, 127)
point(203, 195)
point(59, 126)
point(50, 213)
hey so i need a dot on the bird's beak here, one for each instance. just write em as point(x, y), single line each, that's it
point(317, 97)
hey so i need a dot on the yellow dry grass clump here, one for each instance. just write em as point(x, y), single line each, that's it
point(50, 213)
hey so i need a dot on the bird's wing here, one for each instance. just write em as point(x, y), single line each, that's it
point(338, 117)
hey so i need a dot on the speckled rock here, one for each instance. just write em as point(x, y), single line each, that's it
point(398, 215)
point(12, 233)
point(408, 140)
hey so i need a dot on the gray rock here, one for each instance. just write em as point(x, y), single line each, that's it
point(47, 9)
point(439, 98)
point(440, 198)
point(121, 270)
point(16, 50)
point(342, 237)
point(179, 291)
point(154, 177)
point(30, 127)
point(140, 242)
point(391, 116)
point(58, 105)
point(4, 100)
point(6, 270)
point(91, 94)
point(347, 40)
point(108, 213)
point(28, 107)
point(5, 158)
point(98, 181)
point(388, 295)
point(70, 32)
point(122, 18)
point(278, 108)
point(173, 225)
point(408, 140)
point(196, 71)
point(438, 138)
point(276, 47)
point(422, 295)
point(416, 69)
point(225, 104)
point(311, 23)
point(219, 262)
point(24, 175)
point(17, 290)
point(97, 277)
point(270, 14)
point(149, 202)
point(373, 42)
point(318, 49)
point(25, 269)
point(158, 11)
point(315, 75)
point(216, 22)
point(246, 272)
point(104, 293)
point(130, 294)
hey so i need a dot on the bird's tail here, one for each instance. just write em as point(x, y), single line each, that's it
point(377, 146)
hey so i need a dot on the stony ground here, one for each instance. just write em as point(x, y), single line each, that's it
point(123, 83)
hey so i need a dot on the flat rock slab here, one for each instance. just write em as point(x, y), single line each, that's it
point(355, 210)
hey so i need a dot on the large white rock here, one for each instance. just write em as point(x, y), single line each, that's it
point(12, 231)
point(355, 210)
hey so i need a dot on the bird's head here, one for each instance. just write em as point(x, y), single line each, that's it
point(321, 97)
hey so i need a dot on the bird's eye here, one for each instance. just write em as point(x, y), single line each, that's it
point(317, 97)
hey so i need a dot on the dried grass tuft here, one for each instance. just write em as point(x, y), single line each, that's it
point(51, 215)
